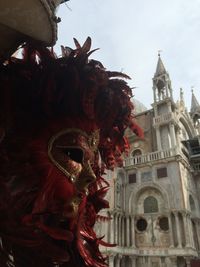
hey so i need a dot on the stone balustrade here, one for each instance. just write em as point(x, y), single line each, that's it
point(149, 157)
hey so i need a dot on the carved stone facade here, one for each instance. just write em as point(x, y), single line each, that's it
point(155, 198)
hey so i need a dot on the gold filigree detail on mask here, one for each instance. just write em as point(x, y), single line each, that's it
point(93, 140)
point(73, 138)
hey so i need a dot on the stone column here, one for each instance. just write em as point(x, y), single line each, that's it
point(178, 230)
point(154, 95)
point(198, 233)
point(172, 135)
point(132, 231)
point(127, 231)
point(111, 261)
point(117, 261)
point(168, 262)
point(171, 231)
point(117, 240)
point(116, 228)
point(119, 231)
point(123, 231)
point(173, 261)
point(169, 107)
point(186, 230)
point(133, 261)
point(148, 261)
point(196, 241)
point(106, 231)
point(159, 147)
point(190, 231)
point(112, 228)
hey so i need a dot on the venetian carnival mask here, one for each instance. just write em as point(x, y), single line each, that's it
point(73, 151)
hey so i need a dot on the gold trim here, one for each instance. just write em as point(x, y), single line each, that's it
point(93, 142)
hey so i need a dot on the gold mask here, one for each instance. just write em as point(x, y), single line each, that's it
point(73, 152)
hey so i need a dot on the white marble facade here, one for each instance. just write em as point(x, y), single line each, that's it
point(155, 198)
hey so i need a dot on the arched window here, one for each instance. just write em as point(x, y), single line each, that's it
point(150, 205)
point(164, 223)
point(192, 203)
point(136, 152)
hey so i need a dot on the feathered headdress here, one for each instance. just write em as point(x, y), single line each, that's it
point(40, 95)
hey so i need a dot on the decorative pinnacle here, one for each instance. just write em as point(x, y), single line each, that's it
point(195, 107)
point(181, 92)
point(160, 69)
point(159, 51)
point(181, 95)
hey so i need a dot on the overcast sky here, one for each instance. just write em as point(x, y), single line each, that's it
point(129, 34)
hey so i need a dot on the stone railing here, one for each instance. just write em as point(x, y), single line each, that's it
point(153, 156)
point(164, 118)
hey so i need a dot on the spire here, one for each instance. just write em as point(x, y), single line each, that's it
point(161, 82)
point(160, 69)
point(195, 107)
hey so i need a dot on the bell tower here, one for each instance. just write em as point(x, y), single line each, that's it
point(164, 108)
point(161, 82)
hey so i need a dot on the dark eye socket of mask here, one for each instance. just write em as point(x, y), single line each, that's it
point(75, 154)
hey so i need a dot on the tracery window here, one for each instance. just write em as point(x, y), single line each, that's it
point(150, 205)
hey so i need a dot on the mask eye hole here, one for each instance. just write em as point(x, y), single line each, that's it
point(75, 154)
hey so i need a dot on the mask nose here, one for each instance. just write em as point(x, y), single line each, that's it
point(86, 177)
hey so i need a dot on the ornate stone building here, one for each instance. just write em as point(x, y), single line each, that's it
point(155, 198)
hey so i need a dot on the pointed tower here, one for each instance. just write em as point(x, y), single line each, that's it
point(195, 112)
point(164, 108)
point(161, 82)
point(195, 107)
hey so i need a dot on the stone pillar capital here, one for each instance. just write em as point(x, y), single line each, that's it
point(184, 213)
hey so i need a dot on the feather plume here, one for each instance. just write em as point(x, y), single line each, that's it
point(41, 94)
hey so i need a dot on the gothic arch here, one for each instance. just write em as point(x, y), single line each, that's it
point(188, 126)
point(139, 195)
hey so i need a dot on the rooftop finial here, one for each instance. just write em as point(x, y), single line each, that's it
point(159, 51)
point(192, 89)
point(160, 69)
point(181, 93)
